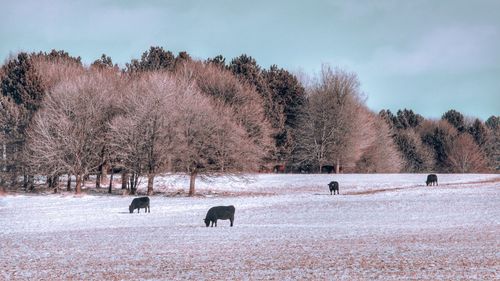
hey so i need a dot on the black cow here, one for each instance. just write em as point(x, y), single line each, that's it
point(219, 213)
point(334, 186)
point(138, 203)
point(432, 179)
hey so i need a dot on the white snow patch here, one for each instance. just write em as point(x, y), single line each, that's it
point(381, 227)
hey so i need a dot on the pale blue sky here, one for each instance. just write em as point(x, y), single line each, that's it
point(426, 55)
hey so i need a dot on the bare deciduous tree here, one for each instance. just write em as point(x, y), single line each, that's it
point(382, 155)
point(245, 104)
point(65, 135)
point(334, 128)
point(210, 141)
point(145, 132)
point(465, 156)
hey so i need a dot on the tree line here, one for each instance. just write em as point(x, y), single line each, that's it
point(172, 113)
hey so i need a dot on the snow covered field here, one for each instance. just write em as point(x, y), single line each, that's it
point(287, 227)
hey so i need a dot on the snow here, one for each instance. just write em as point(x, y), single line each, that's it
point(287, 227)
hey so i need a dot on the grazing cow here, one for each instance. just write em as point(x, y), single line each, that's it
point(334, 186)
point(219, 213)
point(138, 203)
point(432, 179)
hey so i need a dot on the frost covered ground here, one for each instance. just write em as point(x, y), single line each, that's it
point(287, 227)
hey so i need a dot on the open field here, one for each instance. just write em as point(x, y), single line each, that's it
point(287, 227)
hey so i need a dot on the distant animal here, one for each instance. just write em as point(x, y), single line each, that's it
point(432, 179)
point(138, 203)
point(219, 213)
point(334, 186)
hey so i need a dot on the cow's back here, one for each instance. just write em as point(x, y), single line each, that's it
point(140, 202)
point(221, 212)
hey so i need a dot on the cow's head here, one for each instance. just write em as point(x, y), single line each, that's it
point(207, 222)
point(130, 209)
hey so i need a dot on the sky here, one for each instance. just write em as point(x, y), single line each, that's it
point(426, 55)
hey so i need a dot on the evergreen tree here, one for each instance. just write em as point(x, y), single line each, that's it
point(287, 98)
point(478, 132)
point(492, 146)
point(389, 118)
point(219, 61)
point(22, 83)
point(248, 71)
point(456, 119)
point(417, 158)
point(59, 56)
point(104, 62)
point(154, 59)
point(408, 119)
point(182, 58)
point(440, 138)
point(493, 122)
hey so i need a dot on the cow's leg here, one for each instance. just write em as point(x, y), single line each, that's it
point(232, 222)
point(149, 209)
point(215, 223)
point(212, 224)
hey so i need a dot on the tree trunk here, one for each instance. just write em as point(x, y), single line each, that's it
point(49, 181)
point(25, 182)
point(53, 182)
point(111, 181)
point(337, 167)
point(31, 182)
point(4, 158)
point(320, 168)
point(78, 188)
point(191, 183)
point(124, 180)
point(98, 178)
point(68, 184)
point(133, 183)
point(85, 178)
point(169, 163)
point(104, 172)
point(28, 183)
point(151, 178)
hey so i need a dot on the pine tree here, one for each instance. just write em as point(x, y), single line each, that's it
point(22, 83)
point(287, 99)
point(154, 59)
point(456, 119)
